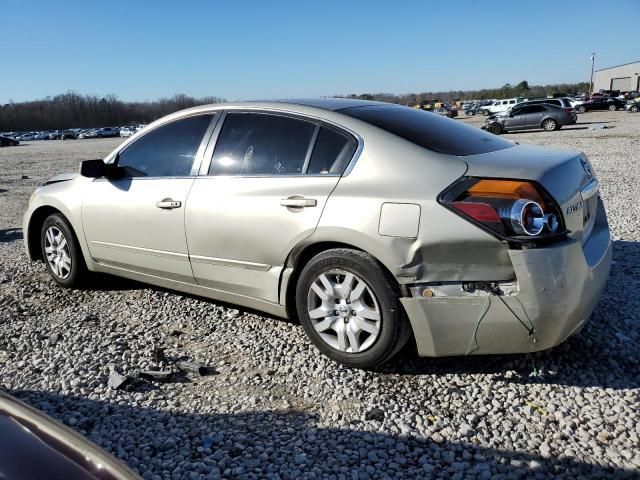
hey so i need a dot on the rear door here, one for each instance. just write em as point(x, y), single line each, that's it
point(263, 192)
point(532, 117)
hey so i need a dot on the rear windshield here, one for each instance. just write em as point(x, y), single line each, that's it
point(429, 130)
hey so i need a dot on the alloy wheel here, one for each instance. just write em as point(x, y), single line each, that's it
point(58, 254)
point(344, 311)
point(549, 125)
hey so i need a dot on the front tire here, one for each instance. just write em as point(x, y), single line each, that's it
point(612, 108)
point(349, 308)
point(61, 252)
point(634, 109)
point(495, 128)
point(581, 109)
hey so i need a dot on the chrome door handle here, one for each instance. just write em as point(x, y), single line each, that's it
point(298, 202)
point(168, 204)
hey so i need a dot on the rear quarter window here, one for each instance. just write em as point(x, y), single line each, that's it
point(429, 130)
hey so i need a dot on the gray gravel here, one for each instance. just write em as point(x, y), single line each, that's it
point(271, 407)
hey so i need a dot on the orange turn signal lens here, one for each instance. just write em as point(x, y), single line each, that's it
point(509, 189)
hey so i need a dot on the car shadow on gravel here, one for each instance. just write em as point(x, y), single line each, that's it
point(10, 235)
point(286, 444)
point(606, 353)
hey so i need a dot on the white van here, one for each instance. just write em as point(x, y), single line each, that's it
point(501, 105)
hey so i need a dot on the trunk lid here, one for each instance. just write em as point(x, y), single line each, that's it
point(566, 175)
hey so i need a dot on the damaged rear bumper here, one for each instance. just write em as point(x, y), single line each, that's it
point(558, 289)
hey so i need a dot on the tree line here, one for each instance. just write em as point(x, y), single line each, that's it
point(522, 89)
point(72, 110)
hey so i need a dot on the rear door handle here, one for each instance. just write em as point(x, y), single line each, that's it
point(298, 202)
point(168, 204)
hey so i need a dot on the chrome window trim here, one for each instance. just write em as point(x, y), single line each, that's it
point(206, 164)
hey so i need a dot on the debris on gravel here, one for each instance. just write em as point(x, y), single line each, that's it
point(277, 408)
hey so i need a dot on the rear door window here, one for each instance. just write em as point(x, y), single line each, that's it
point(331, 152)
point(428, 130)
point(261, 144)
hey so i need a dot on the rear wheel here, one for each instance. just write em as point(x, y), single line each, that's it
point(495, 128)
point(61, 251)
point(485, 113)
point(581, 108)
point(612, 108)
point(349, 308)
point(550, 125)
point(634, 109)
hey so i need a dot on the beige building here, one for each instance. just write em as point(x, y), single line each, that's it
point(621, 77)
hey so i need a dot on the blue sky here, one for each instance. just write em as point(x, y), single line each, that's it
point(141, 50)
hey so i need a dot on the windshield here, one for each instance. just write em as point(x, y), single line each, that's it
point(433, 132)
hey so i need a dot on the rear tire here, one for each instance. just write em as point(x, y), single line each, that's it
point(349, 308)
point(485, 113)
point(634, 109)
point(581, 109)
point(61, 252)
point(549, 125)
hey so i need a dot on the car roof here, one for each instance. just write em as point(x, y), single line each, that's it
point(330, 103)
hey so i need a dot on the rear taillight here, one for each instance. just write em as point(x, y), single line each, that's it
point(510, 209)
point(568, 110)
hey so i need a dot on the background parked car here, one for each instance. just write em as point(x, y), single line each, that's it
point(527, 117)
point(473, 109)
point(27, 137)
point(632, 107)
point(68, 135)
point(8, 141)
point(501, 105)
point(446, 111)
point(601, 103)
point(107, 132)
point(127, 131)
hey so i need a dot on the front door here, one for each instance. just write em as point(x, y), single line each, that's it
point(515, 119)
point(136, 223)
point(267, 184)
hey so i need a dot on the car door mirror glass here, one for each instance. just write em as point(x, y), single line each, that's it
point(99, 169)
point(93, 168)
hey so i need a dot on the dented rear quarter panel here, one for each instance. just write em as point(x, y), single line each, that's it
point(391, 169)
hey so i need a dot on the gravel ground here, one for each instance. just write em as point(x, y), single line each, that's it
point(272, 407)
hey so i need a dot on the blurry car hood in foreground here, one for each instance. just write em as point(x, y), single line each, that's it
point(34, 446)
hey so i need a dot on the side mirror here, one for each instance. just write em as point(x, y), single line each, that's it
point(93, 168)
point(99, 169)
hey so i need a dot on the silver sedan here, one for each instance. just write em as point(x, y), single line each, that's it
point(374, 224)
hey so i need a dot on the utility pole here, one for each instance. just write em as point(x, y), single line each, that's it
point(593, 61)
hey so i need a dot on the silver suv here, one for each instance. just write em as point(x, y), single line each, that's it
point(373, 224)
